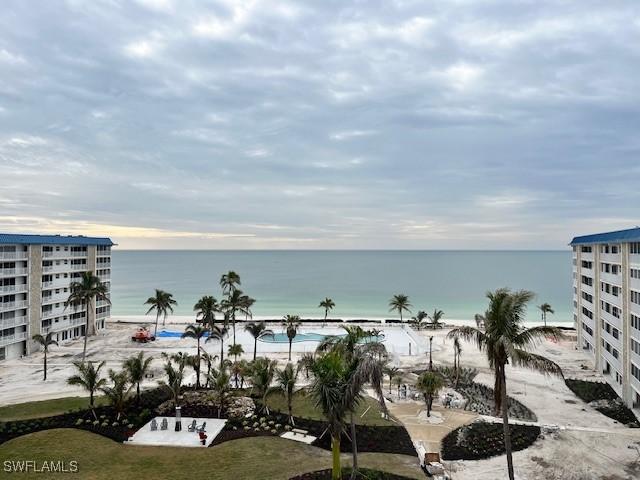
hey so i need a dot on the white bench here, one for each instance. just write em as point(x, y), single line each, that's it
point(298, 431)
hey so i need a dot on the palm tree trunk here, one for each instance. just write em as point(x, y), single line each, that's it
point(497, 390)
point(336, 470)
point(155, 330)
point(221, 353)
point(354, 449)
point(198, 370)
point(290, 349)
point(233, 322)
point(255, 347)
point(45, 364)
point(429, 404)
point(86, 332)
point(505, 422)
point(138, 393)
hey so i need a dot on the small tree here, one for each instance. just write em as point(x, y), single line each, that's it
point(257, 331)
point(544, 309)
point(392, 372)
point(175, 374)
point(218, 333)
point(429, 384)
point(88, 377)
point(328, 305)
point(197, 332)
point(45, 342)
point(117, 393)
point(286, 379)
point(262, 372)
point(291, 323)
point(137, 367)
point(162, 302)
point(400, 303)
point(220, 385)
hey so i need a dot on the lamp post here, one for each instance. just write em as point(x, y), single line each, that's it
point(430, 348)
point(178, 419)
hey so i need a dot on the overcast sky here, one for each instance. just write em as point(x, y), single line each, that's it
point(320, 124)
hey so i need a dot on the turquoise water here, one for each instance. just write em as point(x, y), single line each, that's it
point(308, 337)
point(359, 282)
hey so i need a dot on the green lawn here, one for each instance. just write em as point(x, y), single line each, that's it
point(265, 458)
point(303, 406)
point(45, 408)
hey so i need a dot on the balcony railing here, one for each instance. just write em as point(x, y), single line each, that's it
point(13, 322)
point(58, 298)
point(13, 255)
point(13, 288)
point(8, 306)
point(80, 267)
point(16, 337)
point(12, 272)
point(64, 254)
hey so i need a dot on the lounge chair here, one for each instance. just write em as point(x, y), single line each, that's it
point(164, 424)
point(154, 425)
point(202, 428)
point(192, 427)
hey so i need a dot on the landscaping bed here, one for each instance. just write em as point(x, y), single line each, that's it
point(363, 473)
point(602, 397)
point(481, 440)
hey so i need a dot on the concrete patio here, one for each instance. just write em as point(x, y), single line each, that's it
point(183, 438)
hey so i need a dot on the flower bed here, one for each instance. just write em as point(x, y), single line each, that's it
point(481, 440)
point(363, 473)
point(604, 399)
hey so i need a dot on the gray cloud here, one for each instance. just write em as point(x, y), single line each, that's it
point(328, 124)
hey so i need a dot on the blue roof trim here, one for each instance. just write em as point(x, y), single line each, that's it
point(620, 236)
point(14, 238)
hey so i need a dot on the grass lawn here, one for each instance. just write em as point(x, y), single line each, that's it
point(45, 408)
point(264, 458)
point(303, 406)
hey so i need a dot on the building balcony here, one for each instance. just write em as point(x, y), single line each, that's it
point(635, 309)
point(55, 298)
point(13, 255)
point(587, 289)
point(59, 311)
point(611, 278)
point(614, 321)
point(13, 322)
point(62, 268)
point(64, 254)
point(635, 283)
point(9, 306)
point(634, 259)
point(65, 324)
point(610, 257)
point(586, 256)
point(9, 339)
point(84, 267)
point(13, 272)
point(612, 299)
point(21, 288)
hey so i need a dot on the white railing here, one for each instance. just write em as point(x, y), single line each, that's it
point(103, 314)
point(13, 255)
point(612, 299)
point(64, 254)
point(611, 278)
point(610, 257)
point(13, 322)
point(16, 337)
point(609, 318)
point(79, 267)
point(59, 298)
point(4, 272)
point(8, 306)
point(13, 288)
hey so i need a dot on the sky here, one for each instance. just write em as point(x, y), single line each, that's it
point(330, 124)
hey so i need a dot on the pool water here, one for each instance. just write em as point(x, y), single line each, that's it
point(282, 337)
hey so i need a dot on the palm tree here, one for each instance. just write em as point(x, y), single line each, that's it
point(417, 322)
point(392, 372)
point(429, 383)
point(206, 309)
point(117, 394)
point(328, 389)
point(175, 374)
point(291, 323)
point(208, 358)
point(220, 385)
point(247, 303)
point(305, 361)
point(81, 295)
point(257, 331)
point(235, 303)
point(229, 282)
point(505, 340)
point(45, 341)
point(218, 333)
point(88, 377)
point(137, 367)
point(544, 309)
point(286, 379)
point(162, 303)
point(235, 350)
point(400, 303)
point(328, 305)
point(435, 317)
point(262, 372)
point(457, 350)
point(197, 332)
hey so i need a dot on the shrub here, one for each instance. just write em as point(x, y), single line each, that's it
point(79, 421)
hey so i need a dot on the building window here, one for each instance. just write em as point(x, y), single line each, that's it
point(635, 297)
point(585, 249)
point(634, 248)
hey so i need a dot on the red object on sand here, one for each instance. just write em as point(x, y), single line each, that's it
point(143, 335)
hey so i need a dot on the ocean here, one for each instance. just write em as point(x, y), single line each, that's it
point(359, 282)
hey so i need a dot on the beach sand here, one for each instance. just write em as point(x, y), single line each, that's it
point(590, 446)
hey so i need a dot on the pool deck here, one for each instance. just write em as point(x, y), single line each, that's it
point(183, 438)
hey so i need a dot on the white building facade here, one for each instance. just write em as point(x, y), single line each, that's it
point(606, 300)
point(36, 272)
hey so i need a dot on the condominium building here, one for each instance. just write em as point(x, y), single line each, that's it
point(606, 286)
point(35, 275)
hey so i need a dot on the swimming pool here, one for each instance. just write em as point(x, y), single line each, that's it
point(399, 340)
